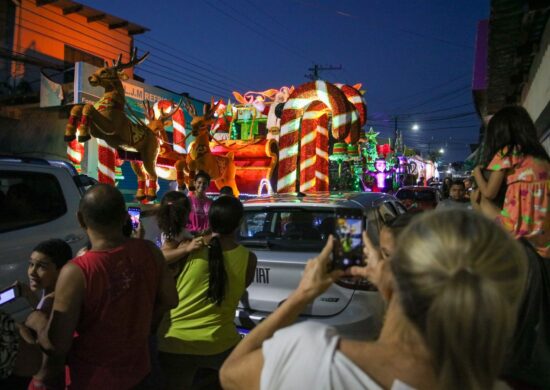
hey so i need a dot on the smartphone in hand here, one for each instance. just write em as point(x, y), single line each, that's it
point(348, 243)
point(135, 213)
point(10, 294)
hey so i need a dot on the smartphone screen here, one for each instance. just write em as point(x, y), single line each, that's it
point(348, 243)
point(135, 213)
point(9, 294)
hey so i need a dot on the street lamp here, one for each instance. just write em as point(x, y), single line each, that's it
point(441, 151)
point(415, 127)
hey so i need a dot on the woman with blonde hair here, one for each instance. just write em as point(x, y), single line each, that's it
point(457, 280)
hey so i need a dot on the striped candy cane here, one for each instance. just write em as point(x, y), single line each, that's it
point(355, 98)
point(75, 151)
point(178, 124)
point(313, 149)
point(106, 157)
point(344, 119)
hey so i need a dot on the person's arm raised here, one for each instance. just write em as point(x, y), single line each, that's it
point(174, 251)
point(489, 189)
point(242, 369)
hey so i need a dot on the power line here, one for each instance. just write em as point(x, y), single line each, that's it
point(266, 13)
point(94, 42)
point(448, 82)
point(314, 75)
point(238, 81)
point(179, 82)
point(454, 93)
point(70, 28)
point(259, 32)
point(102, 55)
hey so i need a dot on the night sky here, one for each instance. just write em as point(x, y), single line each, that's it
point(414, 58)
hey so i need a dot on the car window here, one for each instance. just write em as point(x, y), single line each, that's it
point(425, 196)
point(28, 199)
point(405, 194)
point(286, 229)
point(400, 208)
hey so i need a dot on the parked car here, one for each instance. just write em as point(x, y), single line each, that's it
point(38, 201)
point(269, 229)
point(418, 198)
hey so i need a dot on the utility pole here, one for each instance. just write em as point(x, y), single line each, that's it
point(395, 135)
point(314, 75)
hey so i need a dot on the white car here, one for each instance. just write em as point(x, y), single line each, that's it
point(38, 201)
point(354, 308)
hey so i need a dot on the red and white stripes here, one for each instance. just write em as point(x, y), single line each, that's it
point(307, 108)
point(178, 124)
point(106, 159)
point(313, 149)
point(75, 151)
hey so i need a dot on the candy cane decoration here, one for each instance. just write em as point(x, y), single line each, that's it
point(345, 119)
point(356, 98)
point(75, 152)
point(313, 149)
point(178, 124)
point(106, 157)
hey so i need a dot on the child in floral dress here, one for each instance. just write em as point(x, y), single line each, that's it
point(514, 154)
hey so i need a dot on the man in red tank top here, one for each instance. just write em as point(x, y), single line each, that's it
point(106, 303)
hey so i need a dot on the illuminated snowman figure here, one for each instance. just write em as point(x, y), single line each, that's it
point(380, 174)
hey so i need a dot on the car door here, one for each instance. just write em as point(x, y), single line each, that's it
point(49, 212)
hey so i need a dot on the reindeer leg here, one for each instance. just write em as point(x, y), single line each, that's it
point(149, 154)
point(70, 129)
point(137, 167)
point(180, 173)
point(85, 122)
point(230, 174)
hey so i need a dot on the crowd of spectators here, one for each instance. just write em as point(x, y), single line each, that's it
point(466, 303)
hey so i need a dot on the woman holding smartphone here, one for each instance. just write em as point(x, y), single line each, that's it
point(459, 295)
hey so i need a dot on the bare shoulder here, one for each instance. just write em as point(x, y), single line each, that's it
point(71, 274)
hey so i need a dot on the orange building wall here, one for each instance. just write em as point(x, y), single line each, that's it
point(45, 30)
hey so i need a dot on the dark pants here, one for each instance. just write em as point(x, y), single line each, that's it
point(529, 359)
point(179, 370)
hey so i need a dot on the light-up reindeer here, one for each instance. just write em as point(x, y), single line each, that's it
point(107, 120)
point(157, 127)
point(221, 169)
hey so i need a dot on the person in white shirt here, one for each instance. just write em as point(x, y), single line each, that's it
point(452, 307)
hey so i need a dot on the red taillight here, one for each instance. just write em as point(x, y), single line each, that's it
point(356, 284)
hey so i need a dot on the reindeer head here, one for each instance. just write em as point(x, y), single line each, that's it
point(157, 125)
point(110, 76)
point(201, 124)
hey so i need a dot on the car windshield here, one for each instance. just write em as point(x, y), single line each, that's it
point(284, 229)
point(425, 196)
point(405, 194)
point(422, 195)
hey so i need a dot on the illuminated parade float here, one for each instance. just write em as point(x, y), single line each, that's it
point(306, 139)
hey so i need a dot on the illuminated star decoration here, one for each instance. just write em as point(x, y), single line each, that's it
point(371, 135)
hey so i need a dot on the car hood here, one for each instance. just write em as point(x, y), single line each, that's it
point(277, 276)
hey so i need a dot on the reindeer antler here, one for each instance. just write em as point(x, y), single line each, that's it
point(119, 65)
point(189, 107)
point(210, 109)
point(147, 109)
point(164, 116)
